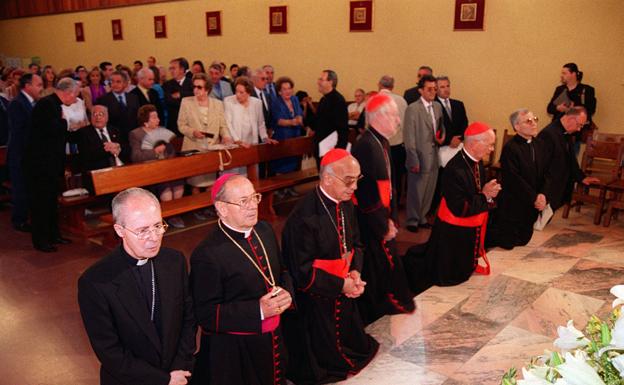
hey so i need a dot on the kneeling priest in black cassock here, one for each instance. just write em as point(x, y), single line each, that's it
point(522, 198)
point(387, 290)
point(457, 240)
point(325, 337)
point(240, 290)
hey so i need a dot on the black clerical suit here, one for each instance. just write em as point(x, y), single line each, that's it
point(124, 117)
point(411, 95)
point(325, 336)
point(331, 115)
point(581, 95)
point(115, 303)
point(152, 99)
point(387, 290)
point(522, 164)
point(238, 347)
point(20, 114)
point(454, 250)
point(563, 169)
point(171, 87)
point(44, 166)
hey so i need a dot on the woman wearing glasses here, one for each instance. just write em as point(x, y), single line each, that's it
point(287, 122)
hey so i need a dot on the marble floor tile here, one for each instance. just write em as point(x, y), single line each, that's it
point(573, 242)
point(386, 369)
point(591, 278)
point(502, 300)
point(542, 266)
point(610, 253)
point(511, 347)
point(448, 342)
point(554, 308)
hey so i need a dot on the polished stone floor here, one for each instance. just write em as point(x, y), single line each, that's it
point(468, 334)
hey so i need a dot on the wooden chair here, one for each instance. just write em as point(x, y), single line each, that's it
point(608, 137)
point(494, 169)
point(603, 160)
point(616, 203)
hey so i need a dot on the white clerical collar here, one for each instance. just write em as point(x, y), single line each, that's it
point(327, 195)
point(470, 156)
point(142, 262)
point(247, 233)
point(30, 98)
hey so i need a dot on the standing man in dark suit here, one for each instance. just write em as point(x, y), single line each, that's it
point(99, 144)
point(122, 106)
point(146, 94)
point(259, 78)
point(411, 95)
point(455, 123)
point(332, 114)
point(44, 163)
point(20, 113)
point(562, 166)
point(179, 86)
point(135, 302)
point(423, 132)
point(269, 89)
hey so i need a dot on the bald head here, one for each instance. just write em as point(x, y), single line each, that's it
point(339, 179)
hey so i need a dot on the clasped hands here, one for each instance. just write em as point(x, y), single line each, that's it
point(491, 189)
point(113, 148)
point(540, 202)
point(275, 302)
point(353, 285)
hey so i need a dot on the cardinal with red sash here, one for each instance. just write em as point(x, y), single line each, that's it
point(321, 247)
point(387, 290)
point(240, 292)
point(456, 247)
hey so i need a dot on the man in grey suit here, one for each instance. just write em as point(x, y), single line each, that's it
point(423, 132)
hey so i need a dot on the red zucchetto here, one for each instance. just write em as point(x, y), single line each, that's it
point(334, 155)
point(476, 128)
point(218, 184)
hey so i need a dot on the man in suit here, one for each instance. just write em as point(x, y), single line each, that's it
point(455, 123)
point(332, 114)
point(397, 148)
point(19, 113)
point(44, 163)
point(562, 169)
point(423, 132)
point(179, 86)
point(145, 93)
point(99, 144)
point(122, 106)
point(269, 89)
point(220, 88)
point(259, 79)
point(107, 70)
point(135, 302)
point(411, 95)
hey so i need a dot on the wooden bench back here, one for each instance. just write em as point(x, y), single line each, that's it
point(115, 179)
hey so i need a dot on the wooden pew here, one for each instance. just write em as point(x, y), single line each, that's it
point(113, 180)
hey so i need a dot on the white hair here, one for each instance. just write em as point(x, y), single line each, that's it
point(120, 201)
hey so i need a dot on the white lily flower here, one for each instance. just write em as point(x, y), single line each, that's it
point(617, 337)
point(618, 363)
point(570, 338)
point(618, 291)
point(576, 371)
point(530, 378)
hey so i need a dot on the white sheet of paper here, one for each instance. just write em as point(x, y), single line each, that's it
point(328, 143)
point(543, 218)
point(446, 153)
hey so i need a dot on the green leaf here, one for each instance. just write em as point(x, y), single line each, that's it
point(605, 334)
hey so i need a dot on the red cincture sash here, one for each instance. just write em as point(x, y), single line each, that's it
point(479, 220)
point(338, 267)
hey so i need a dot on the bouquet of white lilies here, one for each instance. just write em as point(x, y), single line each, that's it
point(593, 358)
